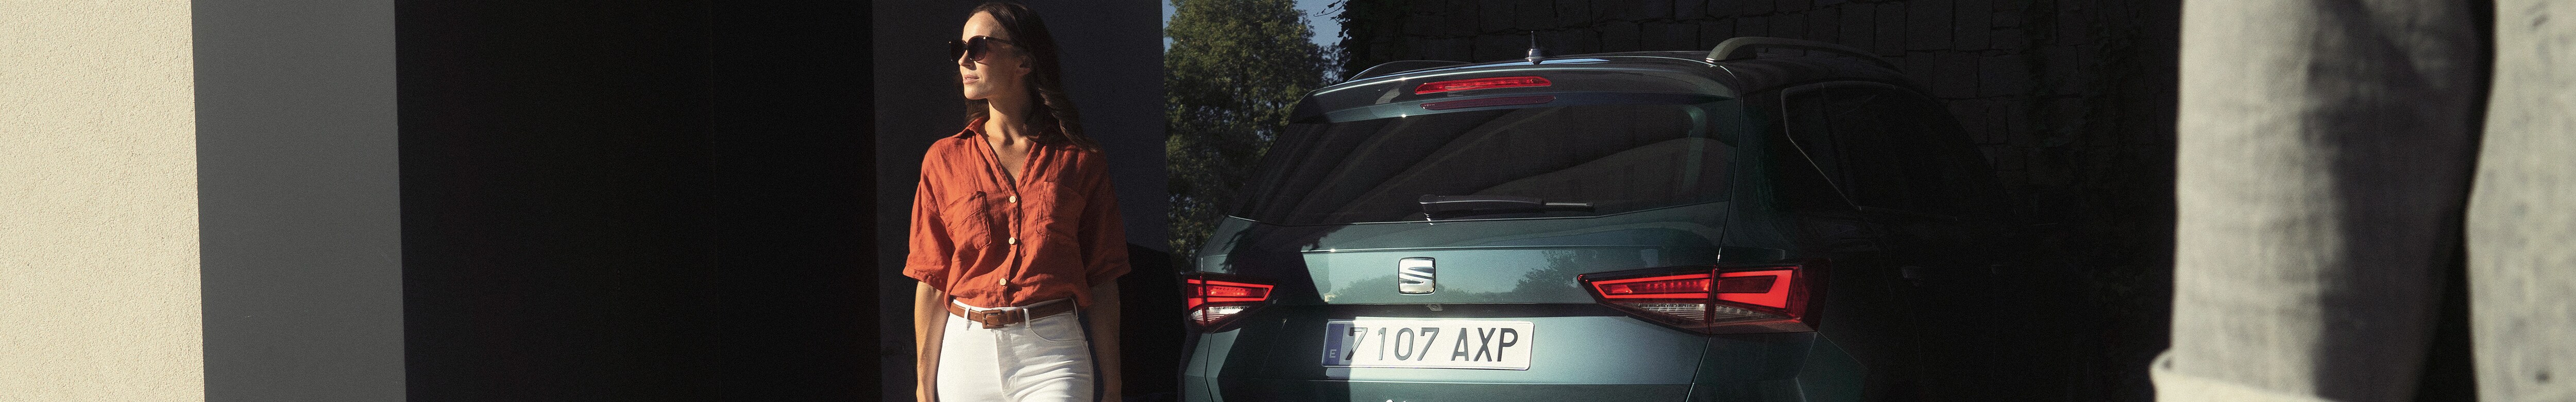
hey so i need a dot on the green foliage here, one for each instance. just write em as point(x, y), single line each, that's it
point(1233, 71)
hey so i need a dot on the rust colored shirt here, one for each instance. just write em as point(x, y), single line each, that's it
point(993, 241)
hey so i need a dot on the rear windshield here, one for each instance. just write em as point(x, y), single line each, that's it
point(1617, 158)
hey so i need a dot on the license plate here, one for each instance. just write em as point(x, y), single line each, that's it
point(1461, 344)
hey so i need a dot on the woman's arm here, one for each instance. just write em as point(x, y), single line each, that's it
point(1104, 245)
point(926, 315)
point(1104, 338)
point(929, 319)
point(927, 260)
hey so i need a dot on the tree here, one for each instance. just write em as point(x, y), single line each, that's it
point(1232, 72)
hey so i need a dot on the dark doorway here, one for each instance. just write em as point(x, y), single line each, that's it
point(636, 201)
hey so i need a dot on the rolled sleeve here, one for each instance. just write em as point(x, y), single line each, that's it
point(1104, 233)
point(929, 246)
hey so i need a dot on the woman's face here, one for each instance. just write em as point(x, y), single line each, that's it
point(1000, 70)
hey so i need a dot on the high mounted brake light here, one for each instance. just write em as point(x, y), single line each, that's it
point(1480, 83)
point(1485, 102)
point(1717, 299)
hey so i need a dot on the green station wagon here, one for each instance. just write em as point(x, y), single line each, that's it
point(1747, 223)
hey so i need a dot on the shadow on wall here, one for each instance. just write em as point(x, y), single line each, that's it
point(1150, 325)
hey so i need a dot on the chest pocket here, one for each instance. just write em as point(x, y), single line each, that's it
point(1055, 205)
point(969, 219)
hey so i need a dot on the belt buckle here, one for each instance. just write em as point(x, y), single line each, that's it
point(990, 318)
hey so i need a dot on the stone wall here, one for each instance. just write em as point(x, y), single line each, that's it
point(2072, 101)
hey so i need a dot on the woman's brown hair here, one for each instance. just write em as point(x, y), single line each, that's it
point(1051, 107)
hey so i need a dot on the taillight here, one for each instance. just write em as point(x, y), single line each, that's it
point(1480, 83)
point(1215, 298)
point(1717, 299)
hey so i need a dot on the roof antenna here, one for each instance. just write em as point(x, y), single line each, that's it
point(1534, 52)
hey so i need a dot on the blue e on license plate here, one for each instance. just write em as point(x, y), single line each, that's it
point(1461, 344)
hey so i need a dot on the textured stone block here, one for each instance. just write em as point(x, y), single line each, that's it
point(2027, 138)
point(1654, 9)
point(1458, 49)
point(1690, 9)
point(1790, 6)
point(2047, 167)
point(1856, 27)
point(1501, 47)
point(1564, 41)
point(1918, 67)
point(2016, 117)
point(2007, 39)
point(2058, 69)
point(1789, 26)
point(1592, 41)
point(1970, 115)
point(2104, 132)
point(1927, 25)
point(1752, 27)
point(2008, 18)
point(1671, 36)
point(1712, 32)
point(1752, 7)
point(1620, 10)
point(1574, 12)
point(1958, 74)
point(1825, 24)
point(2002, 157)
point(1479, 17)
point(1422, 25)
point(2003, 75)
point(1890, 25)
point(2065, 118)
point(2072, 27)
point(1619, 36)
point(2013, 178)
point(1998, 125)
point(1722, 8)
point(1528, 15)
point(1970, 23)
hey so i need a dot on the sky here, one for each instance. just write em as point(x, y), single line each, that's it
point(1319, 16)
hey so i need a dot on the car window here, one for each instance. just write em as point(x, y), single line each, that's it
point(1885, 147)
point(1618, 157)
point(1797, 184)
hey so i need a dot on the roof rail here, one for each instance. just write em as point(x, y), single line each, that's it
point(1403, 65)
point(1748, 47)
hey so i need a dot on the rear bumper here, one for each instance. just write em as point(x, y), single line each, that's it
point(1277, 356)
point(1255, 390)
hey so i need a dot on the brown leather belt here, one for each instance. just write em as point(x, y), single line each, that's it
point(998, 318)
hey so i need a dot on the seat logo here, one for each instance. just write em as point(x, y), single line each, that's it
point(1413, 276)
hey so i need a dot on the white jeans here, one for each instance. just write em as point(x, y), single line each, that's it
point(1045, 360)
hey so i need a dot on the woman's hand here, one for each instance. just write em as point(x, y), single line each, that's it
point(1104, 339)
point(929, 318)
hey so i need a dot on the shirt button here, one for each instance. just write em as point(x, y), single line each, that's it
point(1002, 281)
point(1015, 199)
point(1013, 240)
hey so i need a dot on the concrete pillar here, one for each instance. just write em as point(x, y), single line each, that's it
point(2522, 214)
point(2323, 162)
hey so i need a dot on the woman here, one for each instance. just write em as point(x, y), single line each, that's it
point(1015, 233)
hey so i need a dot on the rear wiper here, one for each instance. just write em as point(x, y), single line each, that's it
point(1448, 206)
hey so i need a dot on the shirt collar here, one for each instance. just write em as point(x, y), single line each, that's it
point(976, 127)
point(973, 128)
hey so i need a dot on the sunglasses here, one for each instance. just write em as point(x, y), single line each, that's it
point(974, 49)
